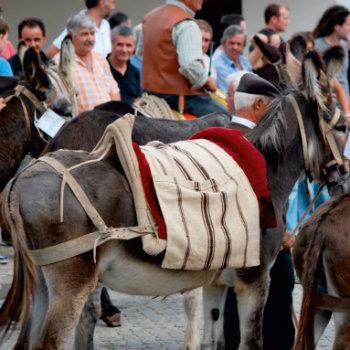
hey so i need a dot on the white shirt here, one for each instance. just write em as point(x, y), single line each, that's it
point(243, 121)
point(206, 60)
point(102, 37)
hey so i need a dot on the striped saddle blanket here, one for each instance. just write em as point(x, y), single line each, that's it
point(203, 202)
point(206, 198)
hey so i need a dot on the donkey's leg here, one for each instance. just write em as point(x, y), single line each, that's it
point(84, 333)
point(214, 298)
point(251, 299)
point(69, 284)
point(193, 309)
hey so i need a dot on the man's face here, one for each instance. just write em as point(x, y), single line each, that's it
point(206, 38)
point(123, 48)
point(343, 30)
point(234, 46)
point(33, 37)
point(230, 99)
point(194, 5)
point(282, 21)
point(83, 40)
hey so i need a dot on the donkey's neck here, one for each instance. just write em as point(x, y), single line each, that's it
point(282, 181)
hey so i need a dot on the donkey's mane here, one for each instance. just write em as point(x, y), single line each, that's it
point(269, 136)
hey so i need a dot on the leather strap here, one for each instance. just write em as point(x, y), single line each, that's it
point(85, 243)
point(302, 134)
point(333, 303)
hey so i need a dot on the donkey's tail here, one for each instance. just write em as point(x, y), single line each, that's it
point(307, 260)
point(25, 274)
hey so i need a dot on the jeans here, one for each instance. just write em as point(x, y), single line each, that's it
point(197, 105)
point(278, 326)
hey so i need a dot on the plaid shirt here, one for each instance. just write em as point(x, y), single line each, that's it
point(94, 87)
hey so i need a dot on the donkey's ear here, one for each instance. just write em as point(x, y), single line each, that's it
point(67, 56)
point(298, 47)
point(21, 49)
point(34, 72)
point(333, 59)
point(270, 52)
point(313, 76)
point(293, 65)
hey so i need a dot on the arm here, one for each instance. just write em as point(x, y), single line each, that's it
point(56, 45)
point(187, 39)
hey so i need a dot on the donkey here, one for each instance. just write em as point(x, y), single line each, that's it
point(26, 102)
point(31, 212)
point(322, 261)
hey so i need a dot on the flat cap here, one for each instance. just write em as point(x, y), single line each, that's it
point(253, 84)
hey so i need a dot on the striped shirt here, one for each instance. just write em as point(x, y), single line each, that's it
point(96, 86)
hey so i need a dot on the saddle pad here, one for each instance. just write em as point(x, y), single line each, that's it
point(210, 211)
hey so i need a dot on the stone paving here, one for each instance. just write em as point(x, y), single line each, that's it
point(147, 323)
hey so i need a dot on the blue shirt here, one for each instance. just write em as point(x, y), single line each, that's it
point(225, 66)
point(5, 68)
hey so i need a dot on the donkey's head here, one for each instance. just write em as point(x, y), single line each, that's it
point(318, 73)
point(41, 85)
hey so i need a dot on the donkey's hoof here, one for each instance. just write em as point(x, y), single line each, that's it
point(113, 320)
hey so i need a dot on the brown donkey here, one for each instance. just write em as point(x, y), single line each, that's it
point(322, 261)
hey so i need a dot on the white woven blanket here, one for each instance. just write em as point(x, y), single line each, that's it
point(210, 210)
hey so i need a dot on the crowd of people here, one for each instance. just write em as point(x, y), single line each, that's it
point(171, 55)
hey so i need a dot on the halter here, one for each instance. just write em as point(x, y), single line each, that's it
point(326, 128)
point(41, 106)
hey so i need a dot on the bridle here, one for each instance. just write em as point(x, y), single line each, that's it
point(326, 129)
point(61, 82)
point(41, 106)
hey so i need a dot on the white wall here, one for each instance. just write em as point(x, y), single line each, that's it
point(55, 13)
point(304, 14)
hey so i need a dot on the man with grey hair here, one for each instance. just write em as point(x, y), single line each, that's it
point(231, 59)
point(248, 98)
point(90, 71)
point(98, 10)
point(126, 75)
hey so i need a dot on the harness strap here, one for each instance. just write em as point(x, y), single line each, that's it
point(19, 89)
point(78, 192)
point(302, 134)
point(85, 243)
point(332, 303)
point(326, 130)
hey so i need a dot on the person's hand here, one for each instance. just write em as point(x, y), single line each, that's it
point(210, 84)
point(288, 241)
point(2, 103)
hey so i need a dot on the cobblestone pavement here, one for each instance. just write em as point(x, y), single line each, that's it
point(147, 323)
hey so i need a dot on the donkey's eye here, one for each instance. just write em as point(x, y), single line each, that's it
point(340, 128)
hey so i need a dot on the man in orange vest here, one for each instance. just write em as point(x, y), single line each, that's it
point(172, 66)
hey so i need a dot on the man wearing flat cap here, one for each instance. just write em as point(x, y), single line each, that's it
point(248, 97)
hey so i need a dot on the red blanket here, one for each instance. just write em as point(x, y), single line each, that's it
point(242, 151)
